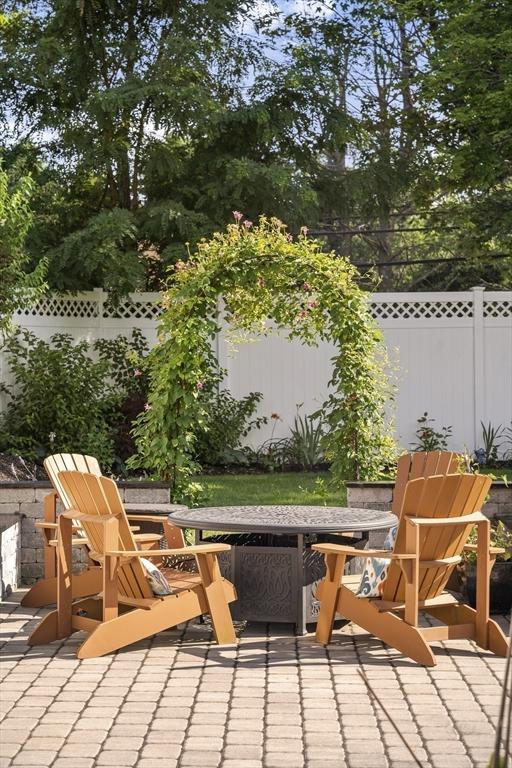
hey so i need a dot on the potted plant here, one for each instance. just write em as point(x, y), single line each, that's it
point(501, 574)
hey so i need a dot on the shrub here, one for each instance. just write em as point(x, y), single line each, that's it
point(227, 421)
point(60, 400)
point(428, 437)
point(126, 364)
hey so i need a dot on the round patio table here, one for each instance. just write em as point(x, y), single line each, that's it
point(271, 562)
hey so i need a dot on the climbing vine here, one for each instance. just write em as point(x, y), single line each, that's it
point(263, 275)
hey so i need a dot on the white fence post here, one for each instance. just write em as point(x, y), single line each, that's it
point(99, 297)
point(478, 362)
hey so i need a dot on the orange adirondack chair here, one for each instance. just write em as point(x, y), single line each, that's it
point(437, 516)
point(88, 582)
point(126, 610)
point(411, 466)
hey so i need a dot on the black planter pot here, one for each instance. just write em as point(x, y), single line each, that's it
point(501, 586)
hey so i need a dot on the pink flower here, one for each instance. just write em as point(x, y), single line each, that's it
point(199, 385)
point(147, 407)
point(180, 265)
point(303, 313)
point(237, 215)
point(289, 237)
point(304, 231)
point(247, 224)
point(306, 287)
point(312, 303)
point(137, 372)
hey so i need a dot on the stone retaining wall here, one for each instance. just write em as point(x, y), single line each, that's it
point(380, 494)
point(22, 503)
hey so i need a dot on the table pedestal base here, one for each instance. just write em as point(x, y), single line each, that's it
point(275, 575)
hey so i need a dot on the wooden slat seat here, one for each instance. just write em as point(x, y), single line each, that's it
point(436, 517)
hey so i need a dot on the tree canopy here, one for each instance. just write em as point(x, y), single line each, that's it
point(385, 125)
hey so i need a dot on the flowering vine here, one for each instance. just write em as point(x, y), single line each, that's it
point(260, 273)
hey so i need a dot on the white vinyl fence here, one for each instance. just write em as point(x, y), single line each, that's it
point(451, 355)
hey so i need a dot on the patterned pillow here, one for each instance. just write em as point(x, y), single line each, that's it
point(155, 577)
point(376, 570)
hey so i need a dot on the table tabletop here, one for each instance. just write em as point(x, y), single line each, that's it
point(285, 518)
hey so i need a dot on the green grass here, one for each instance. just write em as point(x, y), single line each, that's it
point(273, 488)
point(499, 474)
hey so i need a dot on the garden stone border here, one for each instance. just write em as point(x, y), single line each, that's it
point(21, 504)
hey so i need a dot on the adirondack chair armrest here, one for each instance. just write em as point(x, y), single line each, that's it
point(199, 549)
point(43, 524)
point(147, 518)
point(492, 550)
point(339, 549)
point(74, 514)
point(475, 517)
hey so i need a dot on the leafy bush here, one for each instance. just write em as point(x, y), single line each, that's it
point(227, 420)
point(60, 400)
point(125, 359)
point(428, 437)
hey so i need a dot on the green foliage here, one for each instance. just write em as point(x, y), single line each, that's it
point(218, 441)
point(261, 272)
point(428, 437)
point(501, 536)
point(17, 288)
point(60, 399)
point(126, 362)
point(306, 441)
point(492, 443)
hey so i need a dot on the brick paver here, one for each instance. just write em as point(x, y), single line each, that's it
point(274, 701)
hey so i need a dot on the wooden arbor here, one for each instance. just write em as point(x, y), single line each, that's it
point(437, 516)
point(126, 610)
point(44, 592)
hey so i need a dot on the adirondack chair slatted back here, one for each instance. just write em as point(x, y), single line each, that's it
point(93, 495)
point(438, 496)
point(421, 464)
point(60, 462)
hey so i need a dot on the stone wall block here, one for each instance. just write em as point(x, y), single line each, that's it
point(28, 555)
point(147, 495)
point(17, 494)
point(33, 509)
point(30, 572)
point(41, 493)
point(361, 494)
point(9, 508)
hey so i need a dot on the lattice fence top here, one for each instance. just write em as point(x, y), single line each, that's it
point(499, 308)
point(406, 306)
point(421, 310)
point(133, 310)
point(55, 305)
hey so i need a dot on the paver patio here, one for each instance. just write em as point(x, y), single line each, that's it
point(279, 701)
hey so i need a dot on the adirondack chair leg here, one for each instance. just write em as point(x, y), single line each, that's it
point(44, 592)
point(36, 596)
point(389, 628)
point(215, 597)
point(329, 591)
point(495, 639)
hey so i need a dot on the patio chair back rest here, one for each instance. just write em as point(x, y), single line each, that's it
point(440, 496)
point(411, 466)
point(99, 496)
point(60, 462)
